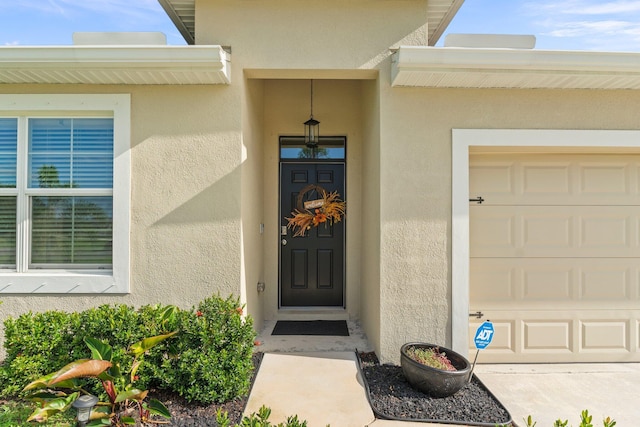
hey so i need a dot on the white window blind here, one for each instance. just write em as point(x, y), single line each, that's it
point(65, 155)
point(8, 161)
point(68, 194)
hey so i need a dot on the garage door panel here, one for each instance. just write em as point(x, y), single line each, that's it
point(608, 229)
point(552, 336)
point(496, 232)
point(559, 179)
point(543, 179)
point(526, 283)
point(543, 230)
point(548, 283)
point(598, 335)
point(608, 283)
point(554, 231)
point(561, 336)
point(493, 177)
point(609, 179)
point(493, 282)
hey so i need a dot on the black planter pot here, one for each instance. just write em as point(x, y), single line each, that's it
point(432, 381)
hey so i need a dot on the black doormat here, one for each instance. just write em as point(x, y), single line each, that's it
point(311, 327)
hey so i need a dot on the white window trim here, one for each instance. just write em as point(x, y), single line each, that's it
point(115, 281)
point(464, 140)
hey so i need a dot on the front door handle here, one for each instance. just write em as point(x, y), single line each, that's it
point(284, 242)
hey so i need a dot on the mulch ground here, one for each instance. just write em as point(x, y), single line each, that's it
point(390, 395)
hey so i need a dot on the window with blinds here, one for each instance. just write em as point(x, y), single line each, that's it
point(8, 164)
point(56, 194)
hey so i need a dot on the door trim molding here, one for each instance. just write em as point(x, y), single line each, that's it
point(466, 140)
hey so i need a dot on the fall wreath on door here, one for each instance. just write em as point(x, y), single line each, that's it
point(327, 209)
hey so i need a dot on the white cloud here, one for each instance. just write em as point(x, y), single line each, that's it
point(582, 28)
point(124, 9)
point(602, 25)
point(583, 7)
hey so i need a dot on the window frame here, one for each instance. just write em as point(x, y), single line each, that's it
point(81, 281)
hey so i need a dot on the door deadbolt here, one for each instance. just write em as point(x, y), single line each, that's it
point(284, 242)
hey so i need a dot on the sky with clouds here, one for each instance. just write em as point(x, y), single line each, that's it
point(606, 25)
point(52, 22)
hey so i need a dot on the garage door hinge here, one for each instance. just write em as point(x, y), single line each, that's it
point(477, 315)
point(478, 199)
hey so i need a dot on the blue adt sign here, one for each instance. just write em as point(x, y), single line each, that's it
point(484, 335)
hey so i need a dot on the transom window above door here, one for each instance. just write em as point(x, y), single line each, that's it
point(329, 148)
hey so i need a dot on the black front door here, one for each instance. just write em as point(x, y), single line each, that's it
point(311, 266)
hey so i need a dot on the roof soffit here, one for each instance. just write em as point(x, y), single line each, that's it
point(183, 15)
point(114, 65)
point(437, 67)
point(439, 15)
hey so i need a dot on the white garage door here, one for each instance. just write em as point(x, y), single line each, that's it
point(555, 256)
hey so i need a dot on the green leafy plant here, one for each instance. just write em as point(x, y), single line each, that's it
point(259, 419)
point(432, 357)
point(57, 391)
point(15, 414)
point(585, 421)
point(209, 360)
point(212, 354)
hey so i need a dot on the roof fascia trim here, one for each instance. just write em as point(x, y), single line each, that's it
point(444, 22)
point(210, 60)
point(177, 21)
point(427, 59)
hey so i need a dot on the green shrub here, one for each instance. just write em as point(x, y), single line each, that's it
point(35, 344)
point(212, 353)
point(208, 360)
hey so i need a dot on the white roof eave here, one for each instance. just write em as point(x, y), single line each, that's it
point(435, 67)
point(439, 14)
point(135, 65)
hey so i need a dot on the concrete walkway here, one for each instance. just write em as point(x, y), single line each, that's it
point(549, 392)
point(323, 388)
point(317, 379)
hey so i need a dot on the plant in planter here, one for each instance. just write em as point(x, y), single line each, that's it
point(431, 357)
point(434, 370)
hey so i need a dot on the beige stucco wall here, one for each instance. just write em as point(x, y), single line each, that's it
point(186, 150)
point(415, 174)
point(370, 313)
point(252, 198)
point(304, 35)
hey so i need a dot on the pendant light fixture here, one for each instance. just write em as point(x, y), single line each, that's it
point(311, 127)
